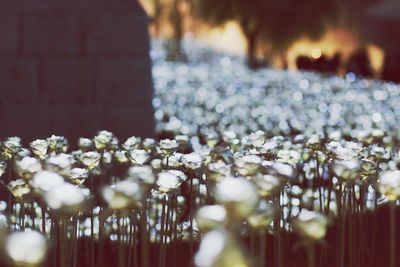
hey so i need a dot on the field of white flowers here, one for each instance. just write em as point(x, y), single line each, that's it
point(265, 168)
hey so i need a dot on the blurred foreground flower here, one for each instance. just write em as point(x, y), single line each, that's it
point(389, 184)
point(238, 195)
point(27, 167)
point(311, 225)
point(123, 195)
point(211, 217)
point(219, 248)
point(64, 198)
point(26, 249)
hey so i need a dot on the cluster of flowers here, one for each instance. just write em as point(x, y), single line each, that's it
point(215, 190)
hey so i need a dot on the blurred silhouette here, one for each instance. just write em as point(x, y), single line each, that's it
point(359, 64)
point(321, 64)
point(391, 69)
point(72, 67)
point(279, 23)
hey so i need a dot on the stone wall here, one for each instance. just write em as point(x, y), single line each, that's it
point(72, 67)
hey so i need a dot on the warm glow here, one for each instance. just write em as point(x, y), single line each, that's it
point(227, 38)
point(230, 39)
point(147, 6)
point(334, 41)
point(376, 57)
point(316, 53)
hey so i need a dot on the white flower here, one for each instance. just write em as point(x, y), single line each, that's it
point(64, 196)
point(142, 173)
point(311, 225)
point(138, 156)
point(26, 248)
point(192, 161)
point(238, 195)
point(211, 217)
point(123, 195)
point(46, 180)
point(39, 147)
point(90, 159)
point(170, 180)
point(27, 167)
point(389, 184)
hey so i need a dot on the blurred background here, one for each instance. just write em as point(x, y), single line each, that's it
point(335, 37)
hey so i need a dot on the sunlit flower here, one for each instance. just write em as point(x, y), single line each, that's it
point(78, 175)
point(311, 225)
point(57, 144)
point(281, 169)
point(132, 142)
point(255, 139)
point(85, 144)
point(60, 163)
point(218, 170)
point(149, 144)
point(211, 217)
point(45, 180)
point(27, 167)
point(103, 139)
point(90, 159)
point(267, 185)
point(170, 180)
point(389, 184)
point(123, 195)
point(192, 161)
point(183, 140)
point(238, 195)
point(314, 142)
point(10, 147)
point(39, 147)
point(269, 149)
point(138, 156)
point(174, 160)
point(120, 156)
point(348, 170)
point(248, 165)
point(144, 174)
point(106, 158)
point(211, 140)
point(218, 248)
point(64, 197)
point(167, 146)
point(230, 138)
point(156, 164)
point(18, 188)
point(262, 216)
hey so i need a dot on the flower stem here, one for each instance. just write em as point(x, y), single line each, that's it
point(392, 233)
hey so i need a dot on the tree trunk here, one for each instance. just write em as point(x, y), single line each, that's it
point(157, 16)
point(175, 47)
point(251, 50)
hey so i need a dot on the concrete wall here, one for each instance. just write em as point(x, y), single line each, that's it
point(72, 67)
